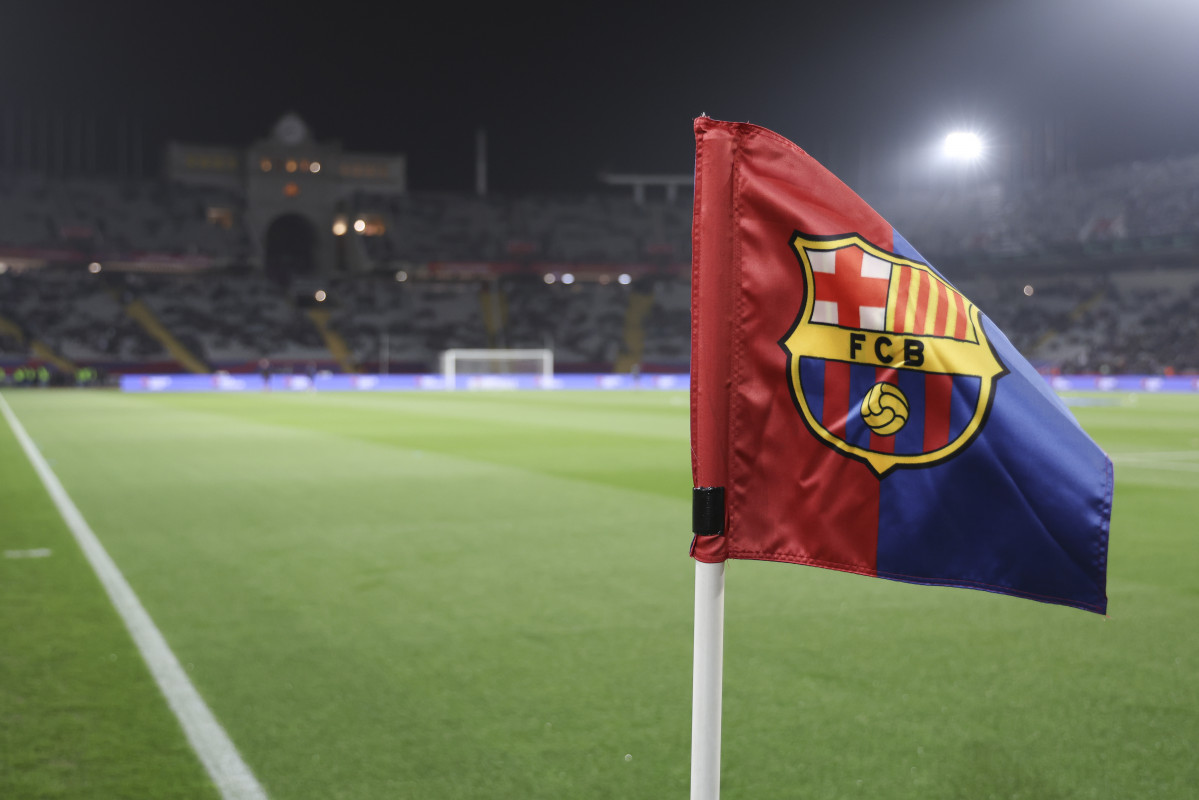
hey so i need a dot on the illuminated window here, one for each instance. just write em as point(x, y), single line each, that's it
point(265, 165)
point(290, 166)
point(360, 170)
point(291, 190)
point(220, 217)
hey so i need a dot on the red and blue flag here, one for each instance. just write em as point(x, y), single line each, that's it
point(860, 412)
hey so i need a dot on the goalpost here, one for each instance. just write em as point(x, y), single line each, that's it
point(497, 362)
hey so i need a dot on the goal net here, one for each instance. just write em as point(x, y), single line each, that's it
point(455, 363)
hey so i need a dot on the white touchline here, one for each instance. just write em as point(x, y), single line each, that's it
point(232, 777)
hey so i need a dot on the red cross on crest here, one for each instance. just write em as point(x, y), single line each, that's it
point(851, 288)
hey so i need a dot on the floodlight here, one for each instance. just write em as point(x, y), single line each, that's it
point(549, 277)
point(568, 278)
point(401, 276)
point(1028, 290)
point(963, 146)
point(314, 167)
point(340, 227)
point(360, 225)
point(625, 279)
point(320, 295)
point(94, 267)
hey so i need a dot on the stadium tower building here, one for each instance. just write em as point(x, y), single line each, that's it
point(296, 194)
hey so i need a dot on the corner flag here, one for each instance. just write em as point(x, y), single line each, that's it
point(859, 412)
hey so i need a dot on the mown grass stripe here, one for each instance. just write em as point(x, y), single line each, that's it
point(216, 751)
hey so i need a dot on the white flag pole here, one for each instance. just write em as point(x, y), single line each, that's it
point(707, 681)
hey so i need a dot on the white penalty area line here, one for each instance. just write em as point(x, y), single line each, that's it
point(229, 772)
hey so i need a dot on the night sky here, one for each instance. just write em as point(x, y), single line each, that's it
point(567, 92)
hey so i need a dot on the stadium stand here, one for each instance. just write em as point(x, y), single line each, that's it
point(1109, 258)
point(668, 325)
point(78, 315)
point(1137, 207)
point(419, 319)
point(127, 218)
point(593, 229)
point(231, 321)
point(581, 323)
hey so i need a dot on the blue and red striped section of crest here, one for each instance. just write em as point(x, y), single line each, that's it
point(940, 406)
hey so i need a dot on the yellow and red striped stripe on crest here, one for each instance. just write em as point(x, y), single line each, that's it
point(922, 304)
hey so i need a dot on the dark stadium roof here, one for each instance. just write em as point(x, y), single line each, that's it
point(583, 87)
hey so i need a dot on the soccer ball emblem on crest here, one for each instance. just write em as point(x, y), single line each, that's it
point(884, 409)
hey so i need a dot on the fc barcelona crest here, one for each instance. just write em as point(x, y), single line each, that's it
point(887, 363)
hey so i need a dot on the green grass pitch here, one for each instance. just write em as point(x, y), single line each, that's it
point(489, 596)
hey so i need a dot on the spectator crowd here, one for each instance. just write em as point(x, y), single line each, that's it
point(1096, 272)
